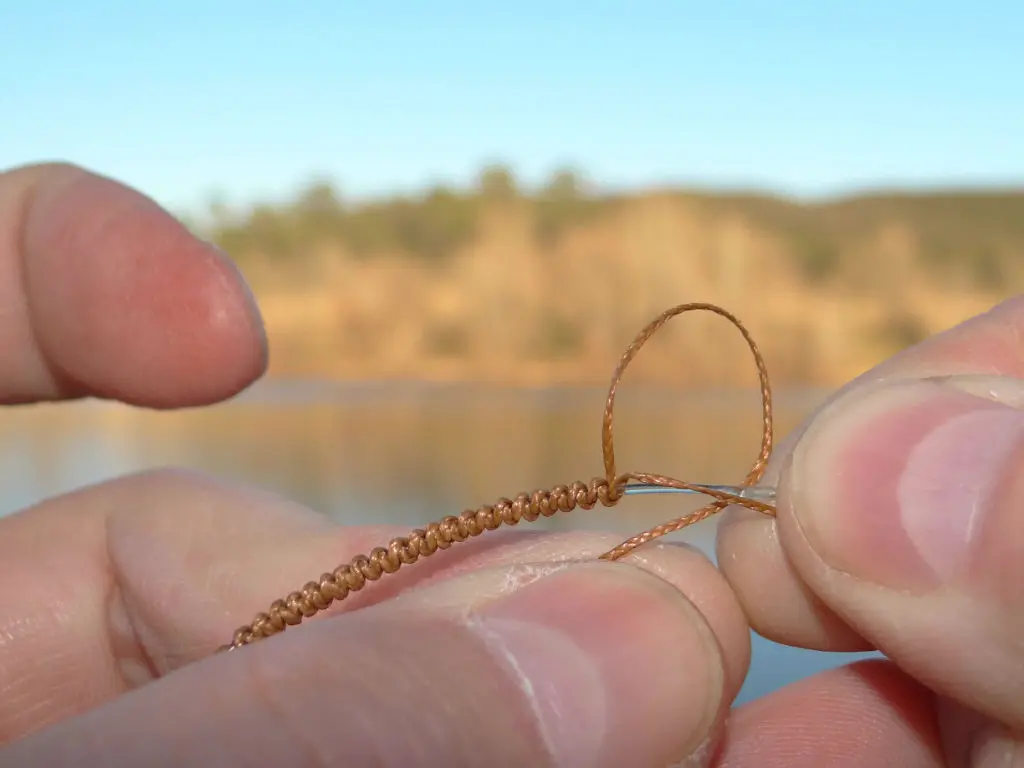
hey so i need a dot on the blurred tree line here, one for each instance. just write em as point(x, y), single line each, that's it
point(430, 226)
point(966, 238)
point(502, 281)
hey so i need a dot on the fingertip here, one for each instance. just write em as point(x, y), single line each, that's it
point(898, 513)
point(777, 603)
point(691, 572)
point(524, 558)
point(126, 303)
point(661, 627)
point(774, 598)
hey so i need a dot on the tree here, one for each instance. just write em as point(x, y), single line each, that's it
point(562, 203)
point(565, 185)
point(319, 197)
point(319, 215)
point(497, 183)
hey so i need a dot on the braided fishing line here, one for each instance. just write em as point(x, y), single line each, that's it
point(608, 490)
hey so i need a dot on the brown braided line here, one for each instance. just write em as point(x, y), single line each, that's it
point(332, 587)
point(756, 470)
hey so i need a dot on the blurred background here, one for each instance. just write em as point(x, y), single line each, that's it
point(455, 216)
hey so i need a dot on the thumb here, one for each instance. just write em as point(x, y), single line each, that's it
point(903, 509)
point(571, 665)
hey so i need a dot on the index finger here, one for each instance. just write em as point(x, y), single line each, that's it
point(105, 294)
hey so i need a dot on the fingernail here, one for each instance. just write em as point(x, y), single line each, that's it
point(250, 297)
point(252, 306)
point(893, 486)
point(618, 666)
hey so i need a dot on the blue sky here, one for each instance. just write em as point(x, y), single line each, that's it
point(251, 99)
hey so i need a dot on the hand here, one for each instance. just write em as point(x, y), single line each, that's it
point(900, 527)
point(112, 598)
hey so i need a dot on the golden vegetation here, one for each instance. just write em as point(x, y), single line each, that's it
point(497, 285)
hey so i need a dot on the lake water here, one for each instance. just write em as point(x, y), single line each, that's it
point(408, 454)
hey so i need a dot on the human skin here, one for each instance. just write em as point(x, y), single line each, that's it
point(517, 649)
